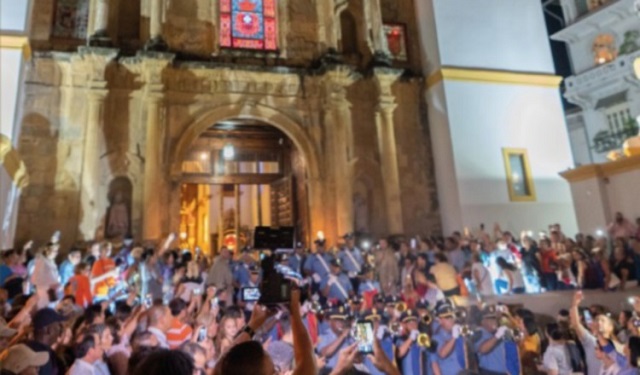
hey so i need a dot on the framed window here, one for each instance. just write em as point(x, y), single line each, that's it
point(396, 40)
point(71, 19)
point(249, 24)
point(519, 178)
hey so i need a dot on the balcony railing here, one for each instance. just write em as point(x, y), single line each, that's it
point(582, 6)
point(607, 140)
point(593, 78)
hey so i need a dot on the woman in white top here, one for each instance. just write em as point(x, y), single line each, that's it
point(512, 275)
point(45, 276)
point(556, 359)
point(481, 276)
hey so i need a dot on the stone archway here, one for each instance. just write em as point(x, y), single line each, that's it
point(273, 117)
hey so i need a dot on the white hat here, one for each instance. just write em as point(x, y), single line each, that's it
point(20, 357)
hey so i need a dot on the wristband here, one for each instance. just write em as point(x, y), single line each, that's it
point(248, 330)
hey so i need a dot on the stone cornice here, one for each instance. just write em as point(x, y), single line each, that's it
point(612, 168)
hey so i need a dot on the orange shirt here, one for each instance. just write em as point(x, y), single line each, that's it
point(178, 334)
point(80, 287)
point(100, 267)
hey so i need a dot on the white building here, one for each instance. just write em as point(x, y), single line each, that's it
point(603, 41)
point(493, 100)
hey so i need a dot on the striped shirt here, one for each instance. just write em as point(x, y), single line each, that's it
point(178, 334)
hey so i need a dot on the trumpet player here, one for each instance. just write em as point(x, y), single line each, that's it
point(496, 354)
point(384, 337)
point(450, 355)
point(408, 351)
point(336, 338)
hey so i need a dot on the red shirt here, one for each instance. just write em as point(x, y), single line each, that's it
point(100, 267)
point(80, 287)
point(548, 256)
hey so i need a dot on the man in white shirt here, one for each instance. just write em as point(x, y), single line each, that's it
point(160, 323)
point(88, 352)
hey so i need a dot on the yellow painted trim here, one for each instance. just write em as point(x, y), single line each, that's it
point(11, 162)
point(16, 42)
point(493, 76)
point(513, 197)
point(608, 169)
point(636, 67)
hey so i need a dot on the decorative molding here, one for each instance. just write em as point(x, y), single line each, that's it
point(603, 170)
point(16, 42)
point(528, 176)
point(493, 76)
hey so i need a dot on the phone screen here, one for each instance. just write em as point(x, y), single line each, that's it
point(364, 336)
point(250, 294)
point(148, 300)
point(587, 317)
point(202, 334)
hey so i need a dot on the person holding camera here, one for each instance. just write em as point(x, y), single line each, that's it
point(383, 339)
point(249, 357)
point(252, 282)
point(336, 338)
point(337, 286)
point(450, 355)
point(497, 354)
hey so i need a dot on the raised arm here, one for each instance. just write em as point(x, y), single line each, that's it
point(574, 316)
point(302, 345)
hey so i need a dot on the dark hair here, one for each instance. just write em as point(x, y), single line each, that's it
point(8, 253)
point(245, 358)
point(530, 324)
point(114, 326)
point(502, 263)
point(555, 332)
point(82, 348)
point(123, 311)
point(177, 305)
point(80, 267)
point(634, 350)
point(163, 361)
point(564, 313)
point(441, 258)
point(91, 313)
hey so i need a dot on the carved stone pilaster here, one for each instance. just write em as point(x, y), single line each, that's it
point(384, 79)
point(99, 23)
point(156, 42)
point(337, 119)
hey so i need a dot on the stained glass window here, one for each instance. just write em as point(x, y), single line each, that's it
point(396, 40)
point(71, 18)
point(249, 24)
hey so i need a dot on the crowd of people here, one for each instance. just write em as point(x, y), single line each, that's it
point(126, 309)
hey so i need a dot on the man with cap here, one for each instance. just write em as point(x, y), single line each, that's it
point(47, 328)
point(407, 349)
point(20, 360)
point(337, 337)
point(495, 354)
point(351, 258)
point(253, 282)
point(317, 265)
point(297, 258)
point(386, 341)
point(450, 356)
point(336, 286)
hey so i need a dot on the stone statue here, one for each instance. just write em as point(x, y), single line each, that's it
point(118, 217)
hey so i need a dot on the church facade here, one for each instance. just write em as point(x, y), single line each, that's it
point(384, 111)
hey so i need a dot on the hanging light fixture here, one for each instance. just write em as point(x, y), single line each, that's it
point(228, 152)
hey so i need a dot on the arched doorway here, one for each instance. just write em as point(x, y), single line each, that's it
point(239, 174)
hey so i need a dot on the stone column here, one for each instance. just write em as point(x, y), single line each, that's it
point(377, 37)
point(154, 183)
point(156, 42)
point(337, 120)
point(99, 23)
point(91, 64)
point(387, 146)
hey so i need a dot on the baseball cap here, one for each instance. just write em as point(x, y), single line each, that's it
point(46, 317)
point(20, 357)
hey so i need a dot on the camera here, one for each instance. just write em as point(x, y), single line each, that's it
point(275, 287)
point(250, 294)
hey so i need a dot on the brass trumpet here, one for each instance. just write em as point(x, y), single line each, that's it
point(424, 340)
point(466, 331)
point(401, 307)
point(394, 328)
point(427, 319)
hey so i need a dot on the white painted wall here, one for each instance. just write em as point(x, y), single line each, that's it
point(484, 119)
point(623, 195)
point(492, 34)
point(13, 15)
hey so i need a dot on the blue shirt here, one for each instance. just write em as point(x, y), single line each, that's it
point(348, 264)
point(334, 290)
point(327, 339)
point(241, 274)
point(295, 263)
point(66, 271)
point(5, 272)
point(387, 348)
point(410, 364)
point(367, 286)
point(450, 364)
point(495, 360)
point(315, 266)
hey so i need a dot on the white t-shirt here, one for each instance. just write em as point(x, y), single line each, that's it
point(556, 357)
point(518, 280)
point(614, 369)
point(485, 287)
